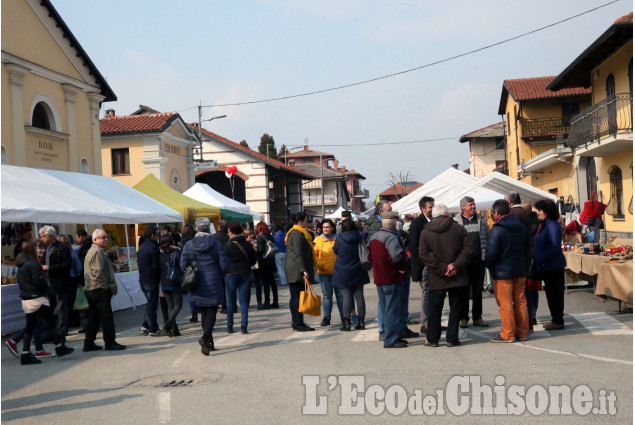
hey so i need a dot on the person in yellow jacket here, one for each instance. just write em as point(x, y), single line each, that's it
point(325, 261)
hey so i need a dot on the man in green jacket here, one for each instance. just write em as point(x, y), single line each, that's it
point(99, 285)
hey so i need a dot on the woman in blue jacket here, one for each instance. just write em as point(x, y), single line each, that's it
point(549, 260)
point(212, 264)
point(348, 273)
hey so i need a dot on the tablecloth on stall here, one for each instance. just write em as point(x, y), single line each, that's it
point(583, 263)
point(129, 293)
point(616, 281)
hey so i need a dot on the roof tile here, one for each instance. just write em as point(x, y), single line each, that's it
point(396, 189)
point(136, 123)
point(535, 88)
point(626, 19)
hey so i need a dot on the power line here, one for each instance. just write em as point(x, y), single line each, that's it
point(381, 143)
point(489, 46)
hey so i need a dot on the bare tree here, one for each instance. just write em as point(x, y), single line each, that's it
point(398, 182)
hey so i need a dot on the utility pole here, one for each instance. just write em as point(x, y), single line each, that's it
point(322, 183)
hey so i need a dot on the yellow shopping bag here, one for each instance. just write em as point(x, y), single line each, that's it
point(309, 303)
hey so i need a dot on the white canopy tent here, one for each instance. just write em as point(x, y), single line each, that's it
point(337, 214)
point(441, 188)
point(495, 186)
point(52, 196)
point(203, 193)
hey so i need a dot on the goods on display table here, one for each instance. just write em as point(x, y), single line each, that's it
point(609, 265)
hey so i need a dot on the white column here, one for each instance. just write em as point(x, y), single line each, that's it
point(69, 99)
point(95, 99)
point(16, 73)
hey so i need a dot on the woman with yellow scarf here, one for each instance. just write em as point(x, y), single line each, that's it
point(299, 265)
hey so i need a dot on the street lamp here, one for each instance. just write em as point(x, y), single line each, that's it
point(200, 140)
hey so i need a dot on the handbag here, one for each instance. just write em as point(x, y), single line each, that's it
point(363, 257)
point(81, 302)
point(533, 282)
point(271, 249)
point(309, 302)
point(174, 275)
point(189, 276)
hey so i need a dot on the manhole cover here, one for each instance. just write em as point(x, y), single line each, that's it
point(173, 381)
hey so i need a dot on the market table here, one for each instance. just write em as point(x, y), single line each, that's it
point(611, 279)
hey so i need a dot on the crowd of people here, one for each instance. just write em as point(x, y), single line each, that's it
point(446, 256)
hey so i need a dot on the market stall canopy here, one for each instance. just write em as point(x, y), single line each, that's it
point(52, 196)
point(190, 208)
point(442, 188)
point(501, 185)
point(337, 214)
point(231, 210)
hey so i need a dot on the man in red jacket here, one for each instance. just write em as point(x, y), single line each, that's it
point(388, 257)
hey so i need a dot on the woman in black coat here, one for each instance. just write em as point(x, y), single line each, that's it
point(35, 303)
point(348, 273)
point(238, 278)
point(170, 256)
point(266, 266)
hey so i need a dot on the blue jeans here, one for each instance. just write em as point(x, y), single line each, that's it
point(150, 316)
point(532, 302)
point(37, 334)
point(403, 311)
point(280, 257)
point(327, 295)
point(390, 302)
point(238, 284)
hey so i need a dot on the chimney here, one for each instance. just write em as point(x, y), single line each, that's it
point(110, 113)
point(455, 166)
point(306, 147)
point(335, 165)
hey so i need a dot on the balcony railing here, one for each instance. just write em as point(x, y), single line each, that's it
point(317, 200)
point(609, 117)
point(543, 128)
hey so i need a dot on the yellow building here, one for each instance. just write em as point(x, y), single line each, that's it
point(148, 142)
point(602, 135)
point(536, 124)
point(51, 92)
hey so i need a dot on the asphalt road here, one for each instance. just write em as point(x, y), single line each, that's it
point(275, 375)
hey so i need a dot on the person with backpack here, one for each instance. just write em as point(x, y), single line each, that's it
point(267, 264)
point(171, 278)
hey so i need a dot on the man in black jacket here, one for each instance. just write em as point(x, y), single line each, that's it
point(57, 266)
point(506, 258)
point(420, 274)
point(149, 279)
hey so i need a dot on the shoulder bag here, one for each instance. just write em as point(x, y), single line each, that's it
point(271, 249)
point(309, 302)
point(251, 275)
point(189, 276)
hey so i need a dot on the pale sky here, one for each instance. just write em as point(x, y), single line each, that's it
point(172, 55)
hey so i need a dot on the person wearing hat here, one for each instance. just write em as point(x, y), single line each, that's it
point(387, 255)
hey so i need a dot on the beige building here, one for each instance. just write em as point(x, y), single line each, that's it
point(147, 142)
point(601, 135)
point(487, 150)
point(51, 92)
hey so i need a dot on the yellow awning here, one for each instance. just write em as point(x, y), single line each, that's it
point(190, 208)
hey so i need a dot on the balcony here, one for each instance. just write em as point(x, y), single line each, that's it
point(544, 160)
point(603, 129)
point(545, 129)
point(329, 199)
point(360, 193)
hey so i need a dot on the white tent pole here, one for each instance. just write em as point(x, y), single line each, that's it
point(128, 248)
point(35, 226)
point(86, 227)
